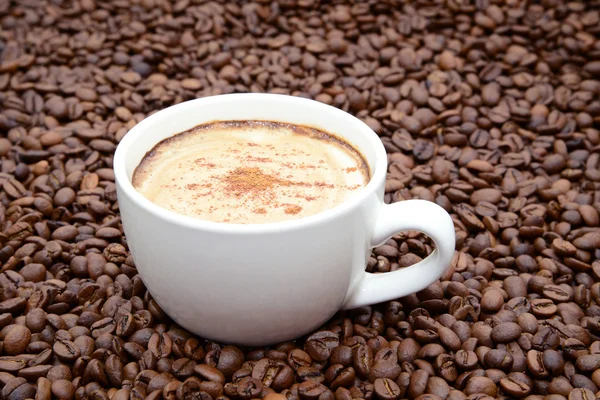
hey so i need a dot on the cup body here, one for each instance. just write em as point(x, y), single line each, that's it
point(255, 284)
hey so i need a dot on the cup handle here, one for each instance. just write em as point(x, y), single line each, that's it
point(418, 215)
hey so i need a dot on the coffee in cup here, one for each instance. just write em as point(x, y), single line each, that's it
point(251, 172)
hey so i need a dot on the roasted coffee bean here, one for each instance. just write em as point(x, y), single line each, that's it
point(465, 359)
point(66, 350)
point(535, 363)
point(273, 373)
point(311, 390)
point(545, 338)
point(553, 362)
point(499, 359)
point(505, 332)
point(230, 360)
point(514, 387)
point(363, 360)
point(299, 358)
point(341, 355)
point(16, 340)
point(183, 368)
point(337, 376)
point(384, 369)
point(160, 344)
point(588, 363)
point(209, 373)
point(309, 373)
point(63, 389)
point(481, 385)
point(18, 388)
point(581, 394)
point(449, 339)
point(43, 389)
point(189, 388)
point(159, 381)
point(320, 344)
point(114, 370)
point(386, 389)
point(407, 350)
point(214, 389)
point(418, 383)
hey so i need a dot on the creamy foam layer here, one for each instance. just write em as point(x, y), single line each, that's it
point(250, 172)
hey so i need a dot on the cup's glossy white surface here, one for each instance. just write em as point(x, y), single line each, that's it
point(266, 283)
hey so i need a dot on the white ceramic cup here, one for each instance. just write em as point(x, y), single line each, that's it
point(260, 284)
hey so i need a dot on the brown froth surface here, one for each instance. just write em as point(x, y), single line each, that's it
point(250, 172)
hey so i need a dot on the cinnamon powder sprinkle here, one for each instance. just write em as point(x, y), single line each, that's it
point(259, 159)
point(307, 198)
point(201, 162)
point(324, 184)
point(196, 186)
point(293, 209)
point(251, 180)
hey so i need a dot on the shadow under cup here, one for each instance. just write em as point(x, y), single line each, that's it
point(253, 284)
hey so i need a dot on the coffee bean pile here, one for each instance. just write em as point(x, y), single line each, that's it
point(489, 108)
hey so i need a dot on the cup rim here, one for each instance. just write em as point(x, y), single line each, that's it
point(135, 134)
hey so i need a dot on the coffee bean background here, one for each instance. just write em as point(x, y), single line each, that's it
point(489, 108)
